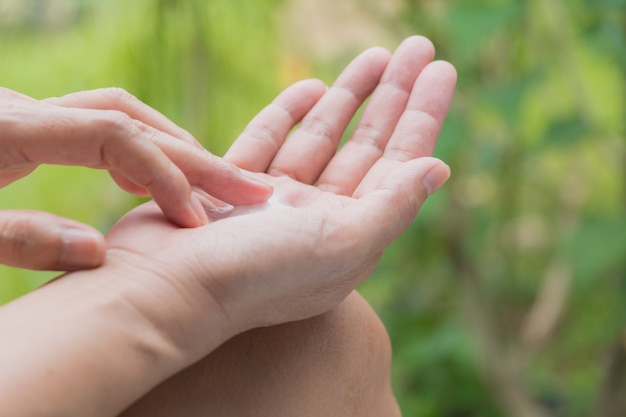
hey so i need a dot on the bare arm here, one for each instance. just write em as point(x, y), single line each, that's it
point(167, 296)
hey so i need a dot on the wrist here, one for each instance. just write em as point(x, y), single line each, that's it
point(185, 323)
point(105, 335)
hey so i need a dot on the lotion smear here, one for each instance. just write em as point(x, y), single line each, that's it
point(273, 203)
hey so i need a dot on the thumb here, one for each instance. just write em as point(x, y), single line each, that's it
point(394, 205)
point(43, 241)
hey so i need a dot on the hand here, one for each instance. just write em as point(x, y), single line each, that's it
point(108, 129)
point(281, 265)
point(167, 296)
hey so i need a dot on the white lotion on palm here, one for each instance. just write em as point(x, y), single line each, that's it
point(273, 203)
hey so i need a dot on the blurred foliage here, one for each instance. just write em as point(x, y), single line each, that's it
point(507, 296)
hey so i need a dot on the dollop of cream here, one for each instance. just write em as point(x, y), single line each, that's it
point(275, 202)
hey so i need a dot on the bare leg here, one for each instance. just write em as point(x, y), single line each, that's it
point(332, 365)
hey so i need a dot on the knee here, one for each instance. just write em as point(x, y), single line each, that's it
point(349, 343)
point(350, 352)
point(336, 364)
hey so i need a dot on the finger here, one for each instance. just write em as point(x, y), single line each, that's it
point(417, 130)
point(185, 166)
point(224, 181)
point(111, 140)
point(120, 100)
point(127, 185)
point(42, 241)
point(380, 117)
point(257, 146)
point(10, 95)
point(394, 204)
point(315, 141)
point(215, 175)
point(148, 157)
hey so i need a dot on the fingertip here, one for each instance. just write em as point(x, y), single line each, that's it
point(212, 207)
point(237, 186)
point(314, 86)
point(299, 98)
point(180, 208)
point(379, 52)
point(436, 177)
point(191, 215)
point(260, 190)
point(199, 211)
point(426, 43)
point(446, 68)
point(44, 241)
point(375, 57)
point(82, 248)
point(418, 43)
point(395, 202)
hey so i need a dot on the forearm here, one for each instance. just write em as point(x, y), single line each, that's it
point(83, 345)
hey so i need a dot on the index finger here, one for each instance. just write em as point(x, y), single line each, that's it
point(121, 100)
point(146, 156)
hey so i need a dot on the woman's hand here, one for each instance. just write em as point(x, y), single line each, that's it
point(106, 129)
point(167, 296)
point(285, 264)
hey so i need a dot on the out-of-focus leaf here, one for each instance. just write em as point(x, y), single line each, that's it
point(471, 24)
point(596, 248)
point(565, 132)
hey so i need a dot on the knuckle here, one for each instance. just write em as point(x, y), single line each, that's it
point(115, 121)
point(317, 127)
point(187, 137)
point(118, 95)
point(262, 133)
point(369, 136)
point(119, 131)
point(8, 94)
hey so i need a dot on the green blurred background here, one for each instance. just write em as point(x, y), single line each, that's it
point(508, 296)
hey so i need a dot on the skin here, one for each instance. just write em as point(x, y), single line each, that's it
point(336, 364)
point(145, 153)
point(167, 297)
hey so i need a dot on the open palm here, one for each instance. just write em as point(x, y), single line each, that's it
point(345, 207)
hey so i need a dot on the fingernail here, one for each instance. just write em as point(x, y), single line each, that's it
point(199, 209)
point(436, 177)
point(81, 248)
point(221, 208)
point(209, 206)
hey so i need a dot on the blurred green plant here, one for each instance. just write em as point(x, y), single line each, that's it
point(507, 297)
